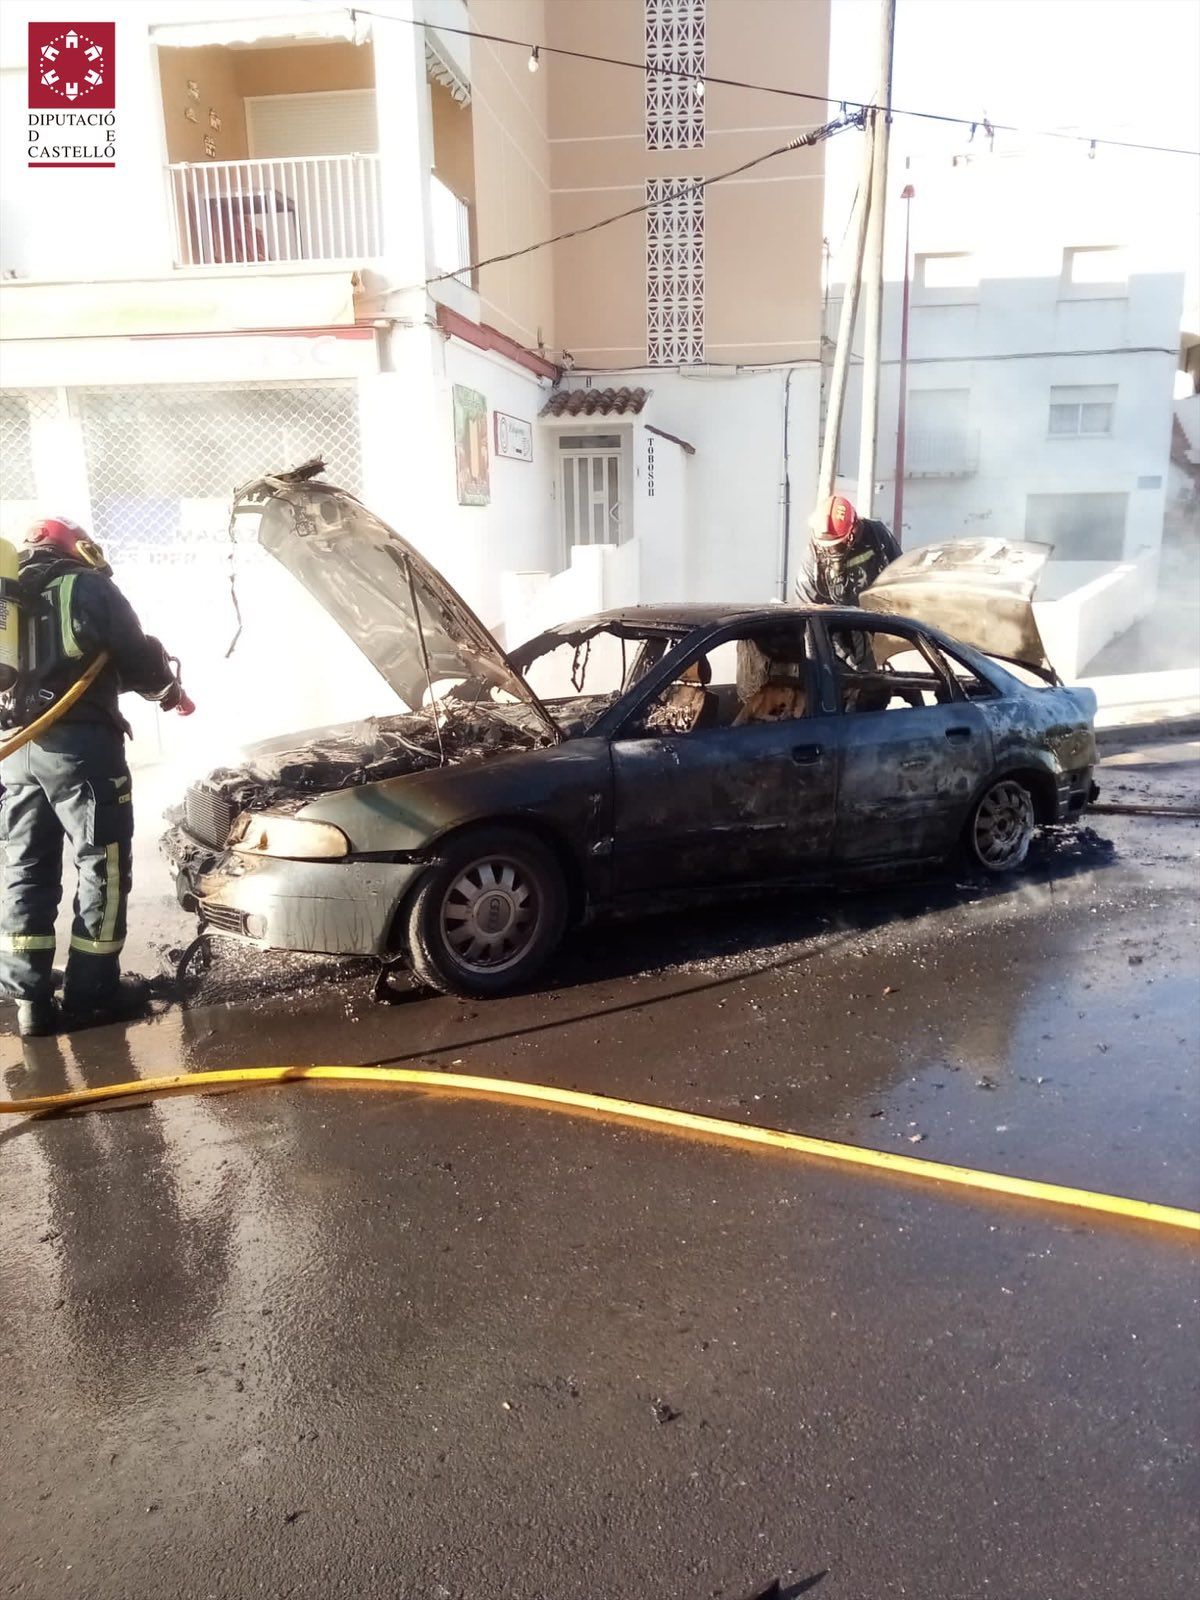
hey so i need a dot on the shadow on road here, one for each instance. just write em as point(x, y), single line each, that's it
point(707, 946)
point(721, 934)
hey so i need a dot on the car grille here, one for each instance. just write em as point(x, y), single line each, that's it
point(208, 815)
point(225, 919)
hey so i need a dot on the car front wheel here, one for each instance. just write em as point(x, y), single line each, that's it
point(1002, 826)
point(488, 916)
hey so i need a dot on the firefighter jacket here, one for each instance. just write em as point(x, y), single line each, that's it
point(837, 575)
point(73, 612)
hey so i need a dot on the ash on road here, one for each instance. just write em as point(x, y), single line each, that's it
point(315, 1342)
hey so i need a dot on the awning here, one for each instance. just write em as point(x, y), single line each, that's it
point(285, 28)
point(440, 69)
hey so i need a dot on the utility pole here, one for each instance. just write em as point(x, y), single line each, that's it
point(902, 399)
point(880, 126)
point(845, 336)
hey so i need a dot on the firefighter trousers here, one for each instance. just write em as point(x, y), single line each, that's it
point(72, 784)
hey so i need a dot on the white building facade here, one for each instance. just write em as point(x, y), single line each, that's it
point(278, 265)
point(1043, 344)
point(181, 323)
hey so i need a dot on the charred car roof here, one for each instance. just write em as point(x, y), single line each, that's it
point(979, 592)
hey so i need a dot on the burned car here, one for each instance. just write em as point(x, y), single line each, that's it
point(625, 759)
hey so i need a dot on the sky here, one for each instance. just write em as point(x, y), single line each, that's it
point(1129, 69)
point(1122, 67)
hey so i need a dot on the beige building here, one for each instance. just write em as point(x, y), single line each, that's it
point(710, 302)
point(281, 262)
point(750, 247)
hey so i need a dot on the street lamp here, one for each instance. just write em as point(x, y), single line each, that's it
point(902, 408)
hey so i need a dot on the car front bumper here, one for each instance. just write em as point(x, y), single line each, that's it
point(345, 908)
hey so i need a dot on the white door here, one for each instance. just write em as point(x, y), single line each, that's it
point(590, 477)
point(318, 154)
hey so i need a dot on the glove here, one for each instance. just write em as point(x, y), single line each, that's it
point(175, 699)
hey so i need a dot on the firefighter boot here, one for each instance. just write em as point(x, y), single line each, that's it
point(37, 1018)
point(126, 1001)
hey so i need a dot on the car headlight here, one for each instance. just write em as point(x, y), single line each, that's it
point(271, 833)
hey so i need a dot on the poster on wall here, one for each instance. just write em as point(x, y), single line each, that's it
point(514, 437)
point(471, 447)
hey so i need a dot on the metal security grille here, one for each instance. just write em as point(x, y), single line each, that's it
point(19, 408)
point(674, 272)
point(591, 496)
point(675, 98)
point(162, 462)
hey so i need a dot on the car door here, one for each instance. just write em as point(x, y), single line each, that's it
point(722, 804)
point(912, 749)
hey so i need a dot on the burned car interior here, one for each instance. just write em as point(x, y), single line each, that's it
point(762, 675)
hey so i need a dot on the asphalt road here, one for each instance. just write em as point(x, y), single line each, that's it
point(325, 1342)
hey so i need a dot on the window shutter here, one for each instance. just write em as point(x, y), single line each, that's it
point(334, 124)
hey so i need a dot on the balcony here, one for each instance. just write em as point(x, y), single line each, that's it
point(451, 220)
point(292, 209)
point(941, 453)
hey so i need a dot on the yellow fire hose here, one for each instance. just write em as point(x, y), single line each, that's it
point(63, 704)
point(1053, 1194)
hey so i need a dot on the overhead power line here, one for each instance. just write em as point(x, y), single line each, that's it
point(536, 50)
point(801, 142)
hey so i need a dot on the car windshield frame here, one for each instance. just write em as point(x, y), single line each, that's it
point(580, 634)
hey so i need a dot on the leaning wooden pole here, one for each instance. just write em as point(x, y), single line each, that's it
point(845, 336)
point(873, 265)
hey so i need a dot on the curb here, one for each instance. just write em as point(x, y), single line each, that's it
point(1148, 732)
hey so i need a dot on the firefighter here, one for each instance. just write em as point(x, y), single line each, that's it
point(73, 782)
point(847, 553)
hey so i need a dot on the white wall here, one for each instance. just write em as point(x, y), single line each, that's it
point(1010, 411)
point(661, 517)
point(733, 503)
point(409, 465)
point(217, 358)
point(534, 601)
point(1187, 410)
point(1082, 605)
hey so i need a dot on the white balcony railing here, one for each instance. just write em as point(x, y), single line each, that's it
point(941, 453)
point(310, 208)
point(451, 219)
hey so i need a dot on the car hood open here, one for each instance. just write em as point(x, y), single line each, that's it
point(977, 590)
point(406, 619)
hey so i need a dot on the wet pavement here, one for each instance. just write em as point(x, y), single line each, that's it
point(325, 1341)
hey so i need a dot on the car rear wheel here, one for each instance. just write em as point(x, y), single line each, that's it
point(1002, 826)
point(489, 915)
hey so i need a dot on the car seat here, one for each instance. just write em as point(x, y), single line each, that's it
point(689, 704)
point(779, 700)
point(769, 691)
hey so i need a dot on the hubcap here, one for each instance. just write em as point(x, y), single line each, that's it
point(490, 914)
point(1004, 825)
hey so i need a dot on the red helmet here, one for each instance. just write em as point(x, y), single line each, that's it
point(68, 538)
point(841, 518)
